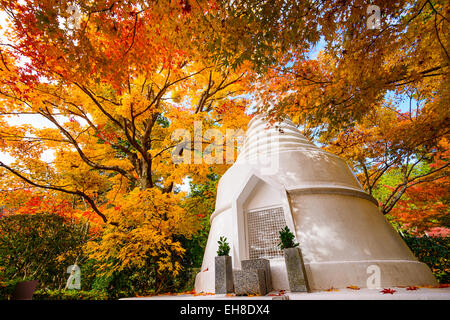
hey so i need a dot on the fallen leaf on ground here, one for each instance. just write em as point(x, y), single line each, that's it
point(280, 293)
point(441, 285)
point(186, 292)
point(389, 290)
point(353, 287)
point(204, 294)
point(410, 288)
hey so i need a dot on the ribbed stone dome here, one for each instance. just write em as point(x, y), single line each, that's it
point(281, 136)
point(281, 152)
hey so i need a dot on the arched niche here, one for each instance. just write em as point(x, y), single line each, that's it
point(263, 202)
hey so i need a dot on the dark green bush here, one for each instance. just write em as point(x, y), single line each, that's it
point(7, 288)
point(69, 295)
point(31, 247)
point(434, 251)
point(129, 282)
point(287, 239)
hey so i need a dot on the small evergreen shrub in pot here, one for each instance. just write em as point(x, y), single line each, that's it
point(223, 268)
point(224, 247)
point(287, 239)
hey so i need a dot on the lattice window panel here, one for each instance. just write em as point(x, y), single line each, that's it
point(264, 232)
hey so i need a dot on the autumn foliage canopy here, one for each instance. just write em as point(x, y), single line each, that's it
point(108, 82)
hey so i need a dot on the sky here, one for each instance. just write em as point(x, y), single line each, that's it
point(36, 120)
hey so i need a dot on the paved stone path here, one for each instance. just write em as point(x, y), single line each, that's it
point(341, 294)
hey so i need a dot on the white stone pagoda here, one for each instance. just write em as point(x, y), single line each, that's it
point(280, 178)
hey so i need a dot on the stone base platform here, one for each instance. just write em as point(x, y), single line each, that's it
point(342, 294)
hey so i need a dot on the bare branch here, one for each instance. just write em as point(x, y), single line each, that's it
point(80, 151)
point(60, 189)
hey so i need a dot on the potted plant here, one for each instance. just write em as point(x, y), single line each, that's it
point(24, 290)
point(223, 268)
point(294, 262)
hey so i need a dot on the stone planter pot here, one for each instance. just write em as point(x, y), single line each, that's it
point(255, 264)
point(248, 282)
point(295, 270)
point(223, 275)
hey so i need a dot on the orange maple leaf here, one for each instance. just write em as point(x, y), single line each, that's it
point(389, 290)
point(410, 288)
point(353, 287)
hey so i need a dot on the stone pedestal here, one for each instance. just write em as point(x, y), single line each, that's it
point(295, 270)
point(256, 264)
point(223, 275)
point(248, 282)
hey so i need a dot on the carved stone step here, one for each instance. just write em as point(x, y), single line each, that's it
point(255, 264)
point(250, 282)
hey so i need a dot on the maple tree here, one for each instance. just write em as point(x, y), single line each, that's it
point(113, 92)
point(113, 107)
point(377, 97)
point(147, 220)
point(358, 64)
point(115, 78)
point(402, 145)
point(424, 208)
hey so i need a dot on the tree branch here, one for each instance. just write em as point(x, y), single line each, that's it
point(60, 189)
point(80, 151)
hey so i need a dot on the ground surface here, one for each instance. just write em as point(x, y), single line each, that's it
point(341, 294)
